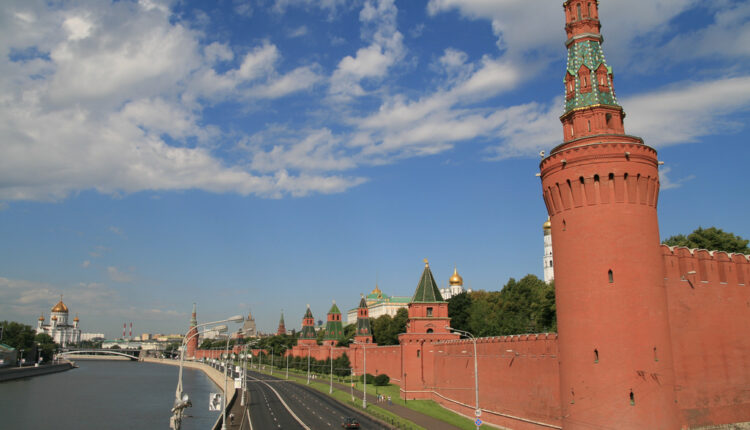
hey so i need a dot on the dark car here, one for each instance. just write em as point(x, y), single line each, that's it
point(350, 423)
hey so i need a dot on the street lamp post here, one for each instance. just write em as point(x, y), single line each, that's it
point(272, 360)
point(477, 411)
point(224, 397)
point(330, 390)
point(181, 400)
point(364, 375)
point(308, 365)
point(287, 366)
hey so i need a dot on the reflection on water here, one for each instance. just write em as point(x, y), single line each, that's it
point(98, 395)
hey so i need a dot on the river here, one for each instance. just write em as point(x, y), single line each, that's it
point(125, 395)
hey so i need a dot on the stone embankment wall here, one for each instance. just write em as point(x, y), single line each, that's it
point(30, 371)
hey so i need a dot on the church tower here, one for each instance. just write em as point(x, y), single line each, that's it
point(282, 328)
point(549, 270)
point(192, 344)
point(601, 188)
point(334, 327)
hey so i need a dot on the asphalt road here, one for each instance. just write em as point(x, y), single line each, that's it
point(313, 408)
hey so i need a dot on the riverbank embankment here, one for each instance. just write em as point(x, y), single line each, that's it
point(216, 376)
point(13, 373)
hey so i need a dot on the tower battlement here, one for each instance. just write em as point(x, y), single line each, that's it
point(700, 266)
point(600, 173)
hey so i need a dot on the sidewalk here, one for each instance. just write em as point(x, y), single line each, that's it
point(417, 418)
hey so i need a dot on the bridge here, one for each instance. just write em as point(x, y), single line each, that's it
point(129, 353)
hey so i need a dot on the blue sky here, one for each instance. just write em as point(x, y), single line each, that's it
point(268, 154)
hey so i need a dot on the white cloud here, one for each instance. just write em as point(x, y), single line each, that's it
point(665, 181)
point(86, 264)
point(117, 275)
point(116, 230)
point(373, 61)
point(119, 79)
point(686, 111)
point(298, 32)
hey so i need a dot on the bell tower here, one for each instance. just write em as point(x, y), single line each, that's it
point(601, 188)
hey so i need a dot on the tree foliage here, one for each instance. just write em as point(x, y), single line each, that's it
point(712, 239)
point(24, 337)
point(385, 329)
point(525, 306)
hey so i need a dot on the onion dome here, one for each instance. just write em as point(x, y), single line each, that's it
point(41, 317)
point(60, 307)
point(54, 318)
point(547, 225)
point(76, 318)
point(456, 279)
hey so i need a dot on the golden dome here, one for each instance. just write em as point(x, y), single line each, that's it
point(76, 318)
point(54, 318)
point(41, 317)
point(60, 307)
point(456, 279)
point(377, 291)
point(547, 224)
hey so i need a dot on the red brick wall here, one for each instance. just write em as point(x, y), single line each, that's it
point(710, 341)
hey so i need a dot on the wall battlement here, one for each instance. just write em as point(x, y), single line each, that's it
point(700, 266)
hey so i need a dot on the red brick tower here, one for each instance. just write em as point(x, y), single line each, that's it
point(334, 327)
point(428, 319)
point(363, 333)
point(601, 189)
point(192, 344)
point(282, 328)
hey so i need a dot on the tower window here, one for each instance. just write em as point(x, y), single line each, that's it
point(656, 357)
point(578, 7)
point(417, 353)
point(429, 330)
point(632, 398)
point(611, 277)
point(596, 355)
point(589, 124)
point(589, 10)
point(596, 178)
point(429, 312)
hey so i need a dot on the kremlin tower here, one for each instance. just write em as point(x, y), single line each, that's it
point(601, 188)
point(334, 327)
point(282, 328)
point(308, 336)
point(363, 333)
point(192, 344)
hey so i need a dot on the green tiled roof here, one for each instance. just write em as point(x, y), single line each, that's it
point(363, 324)
point(590, 54)
point(334, 329)
point(308, 331)
point(334, 309)
point(427, 290)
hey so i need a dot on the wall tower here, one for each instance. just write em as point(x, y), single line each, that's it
point(334, 327)
point(601, 189)
point(282, 328)
point(192, 344)
point(308, 336)
point(363, 333)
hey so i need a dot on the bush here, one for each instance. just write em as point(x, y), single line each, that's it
point(370, 378)
point(382, 380)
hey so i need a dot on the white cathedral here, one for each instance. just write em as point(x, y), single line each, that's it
point(549, 271)
point(58, 328)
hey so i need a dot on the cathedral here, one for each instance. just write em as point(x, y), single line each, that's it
point(58, 328)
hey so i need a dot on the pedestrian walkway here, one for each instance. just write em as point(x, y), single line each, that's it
point(395, 408)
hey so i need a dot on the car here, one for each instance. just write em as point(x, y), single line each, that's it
point(350, 423)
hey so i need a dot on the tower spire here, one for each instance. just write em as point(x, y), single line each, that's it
point(591, 107)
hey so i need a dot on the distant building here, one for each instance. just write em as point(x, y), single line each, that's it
point(455, 286)
point(58, 329)
point(549, 271)
point(282, 328)
point(379, 304)
point(92, 336)
point(248, 328)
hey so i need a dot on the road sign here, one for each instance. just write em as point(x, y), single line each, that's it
point(478, 422)
point(478, 413)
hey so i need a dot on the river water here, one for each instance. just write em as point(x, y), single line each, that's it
point(110, 394)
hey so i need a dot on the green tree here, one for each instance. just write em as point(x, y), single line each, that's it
point(712, 239)
point(47, 346)
point(381, 329)
point(342, 366)
point(348, 336)
point(459, 307)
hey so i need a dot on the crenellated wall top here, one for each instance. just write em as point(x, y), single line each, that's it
point(682, 251)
